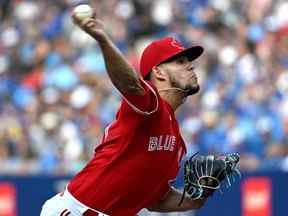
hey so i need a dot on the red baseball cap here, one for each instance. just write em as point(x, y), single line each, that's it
point(164, 49)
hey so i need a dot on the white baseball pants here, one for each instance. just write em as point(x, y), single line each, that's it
point(64, 204)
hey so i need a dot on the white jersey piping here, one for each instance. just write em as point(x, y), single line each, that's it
point(137, 109)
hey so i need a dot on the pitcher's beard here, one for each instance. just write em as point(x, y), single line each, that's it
point(191, 90)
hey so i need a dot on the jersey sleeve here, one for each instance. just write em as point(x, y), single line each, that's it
point(145, 104)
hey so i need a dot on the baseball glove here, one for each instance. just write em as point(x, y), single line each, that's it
point(203, 175)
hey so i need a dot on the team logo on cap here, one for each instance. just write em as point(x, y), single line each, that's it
point(176, 44)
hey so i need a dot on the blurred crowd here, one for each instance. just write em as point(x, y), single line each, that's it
point(56, 99)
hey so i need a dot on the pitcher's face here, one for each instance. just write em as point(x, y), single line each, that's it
point(180, 71)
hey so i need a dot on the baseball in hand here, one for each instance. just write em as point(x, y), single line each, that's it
point(83, 11)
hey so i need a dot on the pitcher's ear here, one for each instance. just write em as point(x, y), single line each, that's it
point(158, 73)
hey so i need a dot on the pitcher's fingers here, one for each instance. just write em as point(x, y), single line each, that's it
point(85, 23)
point(75, 19)
point(89, 23)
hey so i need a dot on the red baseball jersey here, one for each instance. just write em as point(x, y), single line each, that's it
point(138, 159)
